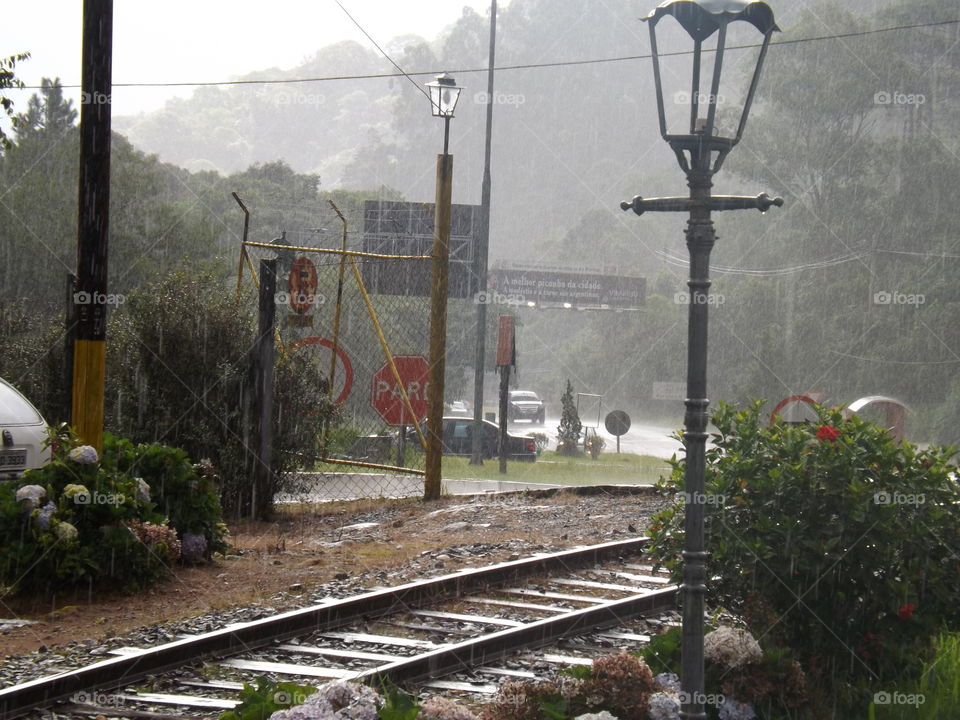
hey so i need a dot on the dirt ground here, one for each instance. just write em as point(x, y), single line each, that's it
point(276, 564)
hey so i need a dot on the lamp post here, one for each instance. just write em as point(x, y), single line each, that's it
point(700, 152)
point(444, 94)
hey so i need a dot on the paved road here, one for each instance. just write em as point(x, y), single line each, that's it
point(640, 440)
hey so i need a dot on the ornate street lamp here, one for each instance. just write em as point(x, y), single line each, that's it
point(701, 151)
point(444, 94)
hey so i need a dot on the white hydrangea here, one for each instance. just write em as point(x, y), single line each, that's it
point(664, 706)
point(84, 455)
point(338, 700)
point(732, 709)
point(602, 715)
point(143, 490)
point(66, 532)
point(668, 682)
point(731, 648)
point(32, 494)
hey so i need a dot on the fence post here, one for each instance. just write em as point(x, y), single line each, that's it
point(262, 499)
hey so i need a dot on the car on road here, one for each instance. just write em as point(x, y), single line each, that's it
point(458, 440)
point(525, 405)
point(22, 434)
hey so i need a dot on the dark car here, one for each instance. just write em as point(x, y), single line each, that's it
point(525, 405)
point(458, 440)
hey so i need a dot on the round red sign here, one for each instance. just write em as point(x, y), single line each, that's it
point(302, 284)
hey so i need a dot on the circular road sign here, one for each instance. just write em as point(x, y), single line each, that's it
point(345, 376)
point(385, 396)
point(302, 283)
point(617, 423)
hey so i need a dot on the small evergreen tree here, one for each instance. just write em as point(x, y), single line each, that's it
point(568, 433)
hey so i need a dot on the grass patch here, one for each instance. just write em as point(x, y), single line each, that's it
point(608, 469)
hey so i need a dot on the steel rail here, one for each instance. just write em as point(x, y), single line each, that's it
point(489, 648)
point(129, 668)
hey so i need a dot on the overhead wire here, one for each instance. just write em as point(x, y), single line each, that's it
point(499, 68)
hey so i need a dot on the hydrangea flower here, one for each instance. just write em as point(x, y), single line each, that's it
point(143, 490)
point(602, 715)
point(33, 494)
point(338, 700)
point(668, 682)
point(731, 709)
point(731, 648)
point(44, 515)
point(664, 705)
point(66, 532)
point(83, 455)
point(71, 491)
point(439, 708)
point(193, 548)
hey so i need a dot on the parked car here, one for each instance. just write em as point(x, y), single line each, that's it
point(458, 440)
point(22, 434)
point(525, 405)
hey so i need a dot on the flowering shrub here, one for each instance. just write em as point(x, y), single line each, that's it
point(82, 519)
point(830, 539)
point(743, 681)
point(184, 493)
point(617, 684)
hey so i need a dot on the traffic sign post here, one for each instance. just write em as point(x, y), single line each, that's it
point(617, 423)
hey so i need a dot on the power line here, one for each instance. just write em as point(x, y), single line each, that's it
point(529, 66)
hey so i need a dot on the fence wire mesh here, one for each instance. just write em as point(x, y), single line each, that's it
point(323, 308)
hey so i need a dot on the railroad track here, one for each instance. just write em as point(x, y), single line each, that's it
point(462, 632)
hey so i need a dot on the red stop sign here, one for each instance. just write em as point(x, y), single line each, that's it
point(385, 396)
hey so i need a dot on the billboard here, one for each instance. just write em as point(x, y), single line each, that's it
point(406, 228)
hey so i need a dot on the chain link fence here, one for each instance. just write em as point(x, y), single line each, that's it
point(323, 308)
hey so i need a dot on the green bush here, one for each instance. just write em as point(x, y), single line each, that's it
point(829, 538)
point(183, 493)
point(82, 520)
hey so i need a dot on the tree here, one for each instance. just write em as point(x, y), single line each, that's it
point(568, 434)
point(9, 80)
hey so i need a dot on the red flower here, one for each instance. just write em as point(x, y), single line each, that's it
point(827, 433)
point(906, 612)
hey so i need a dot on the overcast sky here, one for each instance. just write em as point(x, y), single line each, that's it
point(205, 40)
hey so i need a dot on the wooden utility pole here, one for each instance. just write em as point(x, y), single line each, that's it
point(438, 320)
point(89, 354)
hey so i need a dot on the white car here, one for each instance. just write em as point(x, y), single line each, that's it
point(22, 434)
